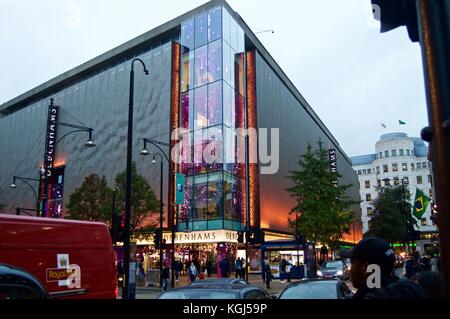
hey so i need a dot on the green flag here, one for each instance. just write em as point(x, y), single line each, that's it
point(401, 122)
point(421, 202)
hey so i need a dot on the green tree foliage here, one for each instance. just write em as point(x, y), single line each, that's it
point(143, 199)
point(92, 200)
point(323, 207)
point(391, 216)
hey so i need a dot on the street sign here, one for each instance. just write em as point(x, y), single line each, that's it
point(179, 198)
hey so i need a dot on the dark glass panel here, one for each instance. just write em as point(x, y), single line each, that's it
point(201, 61)
point(187, 36)
point(215, 103)
point(215, 61)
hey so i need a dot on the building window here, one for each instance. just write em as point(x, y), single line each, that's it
point(408, 152)
point(402, 152)
point(364, 171)
point(404, 167)
point(369, 211)
point(430, 180)
point(394, 152)
point(386, 182)
point(396, 181)
point(431, 192)
point(359, 172)
point(419, 179)
point(369, 171)
point(381, 155)
point(385, 169)
point(412, 152)
point(215, 24)
point(201, 30)
point(395, 167)
point(386, 153)
point(379, 182)
point(378, 169)
point(367, 184)
point(419, 166)
point(423, 221)
point(406, 180)
point(424, 165)
point(412, 166)
point(368, 197)
point(429, 164)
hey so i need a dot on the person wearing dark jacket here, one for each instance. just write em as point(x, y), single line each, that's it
point(377, 254)
point(224, 268)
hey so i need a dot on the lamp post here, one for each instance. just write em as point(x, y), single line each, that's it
point(297, 239)
point(45, 171)
point(145, 152)
point(160, 215)
point(25, 180)
point(126, 256)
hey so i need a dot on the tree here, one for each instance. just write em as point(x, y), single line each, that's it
point(92, 201)
point(391, 218)
point(143, 199)
point(323, 207)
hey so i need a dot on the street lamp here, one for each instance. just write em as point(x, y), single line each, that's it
point(145, 152)
point(25, 180)
point(160, 215)
point(126, 257)
point(45, 170)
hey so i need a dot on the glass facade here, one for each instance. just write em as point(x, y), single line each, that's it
point(212, 96)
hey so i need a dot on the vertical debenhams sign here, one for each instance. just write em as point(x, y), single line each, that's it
point(333, 165)
point(50, 141)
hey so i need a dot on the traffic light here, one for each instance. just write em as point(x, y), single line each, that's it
point(157, 238)
point(117, 228)
point(240, 237)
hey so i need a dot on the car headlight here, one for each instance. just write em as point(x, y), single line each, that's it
point(340, 273)
point(319, 273)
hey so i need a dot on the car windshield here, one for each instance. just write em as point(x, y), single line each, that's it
point(311, 290)
point(198, 294)
point(332, 264)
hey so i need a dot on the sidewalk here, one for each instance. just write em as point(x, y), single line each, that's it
point(255, 279)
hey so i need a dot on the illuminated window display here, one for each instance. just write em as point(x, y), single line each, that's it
point(213, 198)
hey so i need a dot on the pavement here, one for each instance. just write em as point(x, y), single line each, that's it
point(153, 292)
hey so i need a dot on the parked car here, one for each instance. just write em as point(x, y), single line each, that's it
point(71, 259)
point(334, 269)
point(317, 289)
point(16, 283)
point(227, 292)
point(218, 282)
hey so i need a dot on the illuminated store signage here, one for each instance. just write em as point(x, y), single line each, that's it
point(333, 165)
point(50, 141)
point(209, 236)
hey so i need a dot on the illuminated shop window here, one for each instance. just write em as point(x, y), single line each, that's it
point(215, 103)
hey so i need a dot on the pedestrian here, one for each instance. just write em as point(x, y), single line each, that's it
point(410, 268)
point(165, 277)
point(178, 269)
point(244, 268)
point(209, 267)
point(372, 251)
point(238, 268)
point(433, 264)
point(288, 271)
point(267, 273)
point(282, 270)
point(193, 272)
point(432, 284)
point(224, 268)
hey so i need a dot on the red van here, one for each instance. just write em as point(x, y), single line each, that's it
point(71, 259)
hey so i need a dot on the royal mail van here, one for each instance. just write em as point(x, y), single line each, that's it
point(71, 259)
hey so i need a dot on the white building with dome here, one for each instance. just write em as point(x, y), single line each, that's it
point(397, 157)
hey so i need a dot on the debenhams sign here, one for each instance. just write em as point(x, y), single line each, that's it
point(210, 236)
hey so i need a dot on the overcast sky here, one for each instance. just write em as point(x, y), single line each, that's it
point(353, 77)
